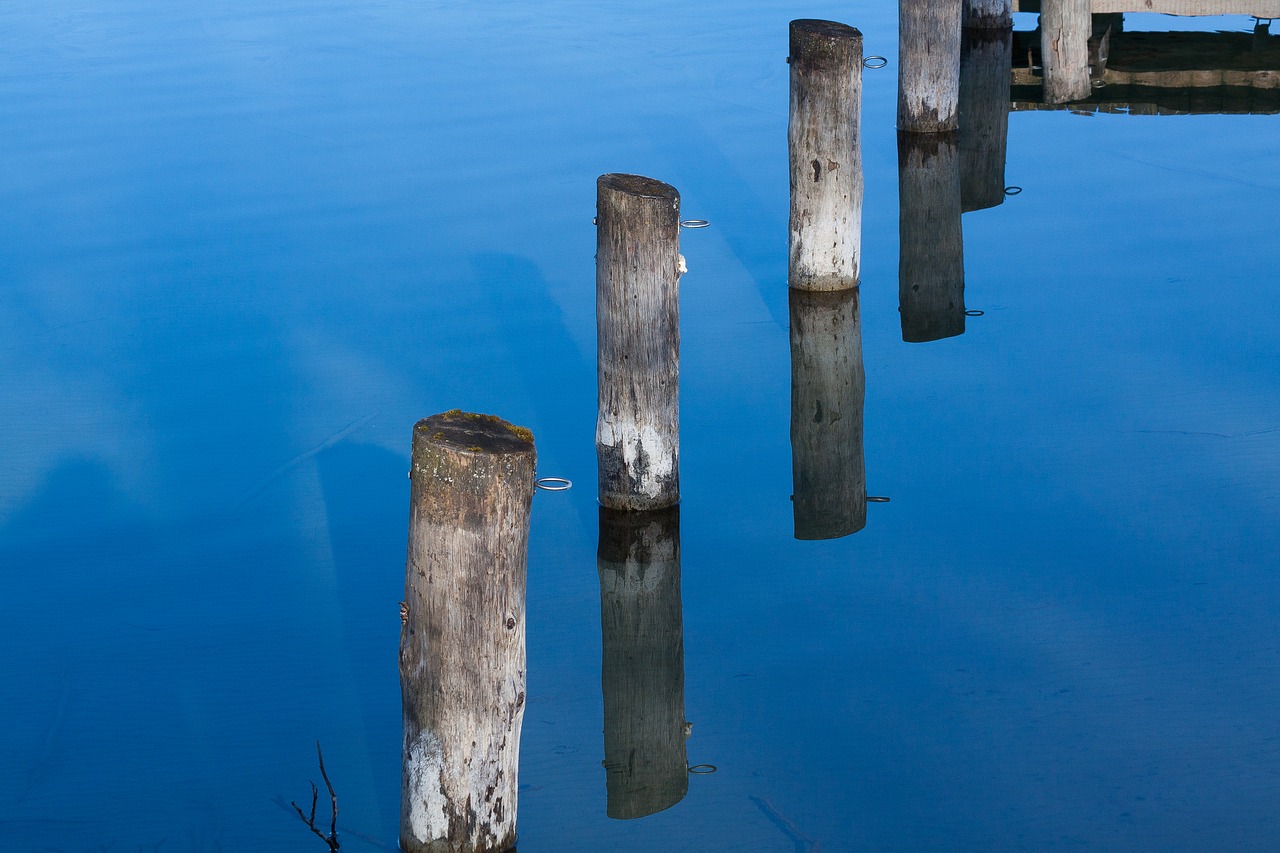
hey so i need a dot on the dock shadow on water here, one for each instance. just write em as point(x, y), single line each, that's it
point(642, 667)
point(828, 384)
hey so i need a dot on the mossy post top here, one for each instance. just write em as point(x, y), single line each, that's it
point(637, 185)
point(816, 28)
point(475, 433)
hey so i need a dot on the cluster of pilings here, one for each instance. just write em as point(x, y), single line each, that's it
point(462, 650)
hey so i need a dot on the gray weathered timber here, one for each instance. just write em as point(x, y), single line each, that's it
point(642, 666)
point(1257, 8)
point(826, 155)
point(462, 642)
point(928, 65)
point(986, 58)
point(988, 14)
point(828, 470)
point(931, 244)
point(638, 268)
point(1065, 27)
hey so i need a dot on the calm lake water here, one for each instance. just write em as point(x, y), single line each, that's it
point(249, 244)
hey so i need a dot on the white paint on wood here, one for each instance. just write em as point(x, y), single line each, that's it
point(427, 814)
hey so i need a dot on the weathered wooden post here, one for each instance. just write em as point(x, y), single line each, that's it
point(1065, 26)
point(931, 244)
point(986, 65)
point(462, 642)
point(928, 65)
point(988, 14)
point(828, 472)
point(826, 155)
point(642, 671)
point(638, 268)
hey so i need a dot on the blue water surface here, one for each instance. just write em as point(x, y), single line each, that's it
point(248, 245)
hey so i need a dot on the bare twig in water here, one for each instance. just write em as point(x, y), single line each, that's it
point(803, 843)
point(332, 838)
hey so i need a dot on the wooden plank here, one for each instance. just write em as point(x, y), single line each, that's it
point(1256, 8)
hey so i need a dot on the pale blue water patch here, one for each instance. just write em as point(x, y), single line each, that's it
point(247, 247)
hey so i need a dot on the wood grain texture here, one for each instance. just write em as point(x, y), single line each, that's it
point(931, 244)
point(642, 666)
point(988, 14)
point(828, 469)
point(462, 644)
point(638, 342)
point(1257, 8)
point(825, 153)
point(928, 65)
point(1065, 26)
point(986, 60)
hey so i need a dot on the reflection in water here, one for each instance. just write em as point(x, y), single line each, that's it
point(829, 480)
point(642, 672)
point(986, 57)
point(931, 250)
point(1162, 73)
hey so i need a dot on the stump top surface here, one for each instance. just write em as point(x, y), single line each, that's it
point(824, 29)
point(475, 433)
point(637, 185)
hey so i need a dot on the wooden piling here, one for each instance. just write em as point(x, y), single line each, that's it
point(1065, 26)
point(462, 642)
point(988, 14)
point(638, 268)
point(928, 65)
point(931, 244)
point(642, 667)
point(986, 63)
point(828, 471)
point(826, 155)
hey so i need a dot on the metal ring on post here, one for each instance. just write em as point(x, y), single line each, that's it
point(871, 499)
point(974, 312)
point(552, 484)
point(703, 768)
point(875, 62)
point(1012, 190)
point(694, 223)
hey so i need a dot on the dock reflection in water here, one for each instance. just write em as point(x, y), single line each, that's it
point(828, 470)
point(642, 671)
point(986, 57)
point(931, 245)
point(1161, 73)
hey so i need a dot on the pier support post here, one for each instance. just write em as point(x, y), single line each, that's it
point(828, 471)
point(642, 670)
point(1065, 27)
point(638, 268)
point(931, 244)
point(826, 155)
point(928, 65)
point(462, 641)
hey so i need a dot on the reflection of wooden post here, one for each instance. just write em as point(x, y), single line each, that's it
point(986, 64)
point(988, 14)
point(462, 647)
point(828, 473)
point(638, 342)
point(928, 65)
point(825, 154)
point(931, 249)
point(642, 672)
point(1065, 26)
